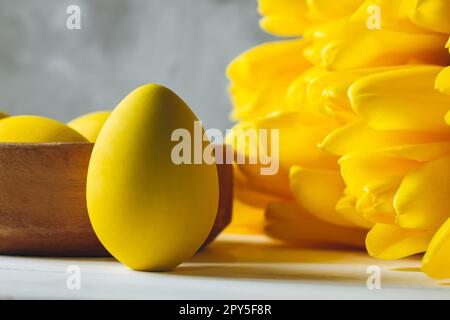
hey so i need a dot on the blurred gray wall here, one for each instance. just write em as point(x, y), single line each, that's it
point(46, 69)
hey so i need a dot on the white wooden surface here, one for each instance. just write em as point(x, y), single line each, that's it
point(233, 267)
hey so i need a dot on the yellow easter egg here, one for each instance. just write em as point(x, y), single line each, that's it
point(149, 212)
point(89, 125)
point(34, 129)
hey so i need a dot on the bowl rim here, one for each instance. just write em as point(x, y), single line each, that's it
point(31, 145)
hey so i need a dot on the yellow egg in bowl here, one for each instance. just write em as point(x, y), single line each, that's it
point(43, 209)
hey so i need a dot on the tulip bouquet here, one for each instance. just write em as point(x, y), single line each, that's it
point(360, 94)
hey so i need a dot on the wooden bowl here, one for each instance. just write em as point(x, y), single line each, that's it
point(43, 200)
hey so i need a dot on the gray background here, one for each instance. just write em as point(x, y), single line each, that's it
point(46, 69)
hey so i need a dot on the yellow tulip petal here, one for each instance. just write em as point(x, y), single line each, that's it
point(299, 134)
point(401, 100)
point(377, 202)
point(265, 100)
point(283, 17)
point(247, 219)
point(260, 77)
point(421, 152)
point(249, 192)
point(359, 136)
point(436, 262)
point(373, 177)
point(297, 92)
point(292, 17)
point(282, 26)
point(325, 10)
point(443, 84)
point(287, 222)
point(443, 81)
point(390, 242)
point(422, 201)
point(327, 91)
point(276, 185)
point(318, 191)
point(346, 208)
point(360, 169)
point(344, 44)
point(432, 14)
point(393, 14)
point(376, 213)
point(263, 62)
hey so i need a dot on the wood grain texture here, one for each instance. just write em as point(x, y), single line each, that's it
point(224, 213)
point(43, 200)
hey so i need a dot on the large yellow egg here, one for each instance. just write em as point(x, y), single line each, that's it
point(89, 125)
point(34, 129)
point(148, 212)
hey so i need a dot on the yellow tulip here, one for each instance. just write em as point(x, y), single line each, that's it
point(326, 91)
point(283, 17)
point(401, 100)
point(376, 201)
point(443, 85)
point(299, 135)
point(297, 94)
point(317, 191)
point(361, 169)
point(246, 191)
point(288, 222)
point(396, 164)
point(276, 185)
point(346, 207)
point(344, 44)
point(248, 205)
point(421, 201)
point(392, 15)
point(261, 76)
point(436, 262)
point(247, 219)
point(443, 81)
point(293, 17)
point(390, 242)
point(394, 185)
point(359, 136)
point(432, 14)
point(378, 98)
point(325, 10)
point(409, 15)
